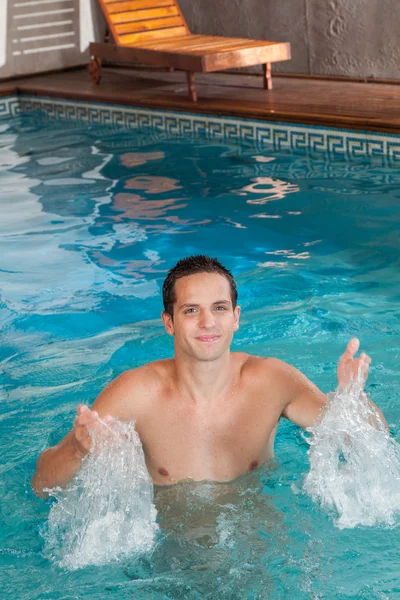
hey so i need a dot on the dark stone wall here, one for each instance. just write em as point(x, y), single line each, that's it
point(330, 37)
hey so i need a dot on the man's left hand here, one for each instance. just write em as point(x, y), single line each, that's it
point(350, 368)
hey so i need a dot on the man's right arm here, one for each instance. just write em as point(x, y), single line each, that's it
point(57, 465)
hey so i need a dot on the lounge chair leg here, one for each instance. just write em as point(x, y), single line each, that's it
point(95, 69)
point(267, 76)
point(191, 86)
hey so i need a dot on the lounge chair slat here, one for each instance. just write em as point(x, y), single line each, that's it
point(137, 38)
point(198, 42)
point(230, 47)
point(143, 15)
point(163, 23)
point(192, 39)
point(139, 4)
point(117, 7)
point(200, 47)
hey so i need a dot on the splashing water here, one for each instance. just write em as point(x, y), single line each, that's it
point(107, 512)
point(354, 463)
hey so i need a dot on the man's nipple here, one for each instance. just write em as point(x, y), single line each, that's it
point(253, 465)
point(163, 472)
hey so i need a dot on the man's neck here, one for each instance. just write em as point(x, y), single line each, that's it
point(202, 382)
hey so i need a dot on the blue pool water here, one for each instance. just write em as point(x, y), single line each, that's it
point(91, 220)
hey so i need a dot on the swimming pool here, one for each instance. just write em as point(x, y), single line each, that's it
point(93, 215)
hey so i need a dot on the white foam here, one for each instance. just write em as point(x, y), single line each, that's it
point(107, 512)
point(354, 465)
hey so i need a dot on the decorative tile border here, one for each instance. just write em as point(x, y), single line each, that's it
point(305, 139)
point(9, 106)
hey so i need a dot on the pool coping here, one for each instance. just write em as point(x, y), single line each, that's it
point(323, 101)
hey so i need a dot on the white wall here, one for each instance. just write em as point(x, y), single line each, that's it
point(43, 35)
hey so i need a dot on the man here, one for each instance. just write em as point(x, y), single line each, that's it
point(207, 413)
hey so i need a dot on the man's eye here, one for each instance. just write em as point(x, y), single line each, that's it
point(189, 310)
point(220, 307)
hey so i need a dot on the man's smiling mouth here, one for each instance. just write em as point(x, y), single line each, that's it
point(207, 338)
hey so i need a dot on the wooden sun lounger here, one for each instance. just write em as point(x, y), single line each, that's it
point(154, 32)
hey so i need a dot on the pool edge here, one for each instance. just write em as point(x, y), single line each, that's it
point(279, 135)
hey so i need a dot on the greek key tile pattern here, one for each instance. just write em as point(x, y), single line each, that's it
point(9, 106)
point(307, 139)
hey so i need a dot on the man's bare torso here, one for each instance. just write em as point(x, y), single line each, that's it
point(207, 413)
point(217, 441)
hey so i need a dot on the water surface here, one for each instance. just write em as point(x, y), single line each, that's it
point(92, 219)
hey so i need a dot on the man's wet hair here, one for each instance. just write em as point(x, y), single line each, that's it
point(191, 266)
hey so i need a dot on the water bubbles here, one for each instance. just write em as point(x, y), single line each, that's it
point(354, 463)
point(107, 512)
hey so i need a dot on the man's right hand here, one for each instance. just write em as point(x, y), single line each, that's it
point(86, 421)
point(56, 466)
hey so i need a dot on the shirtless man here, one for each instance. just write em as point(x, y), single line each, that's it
point(207, 413)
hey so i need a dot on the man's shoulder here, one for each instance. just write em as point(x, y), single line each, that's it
point(131, 393)
point(267, 377)
point(150, 375)
point(261, 365)
point(261, 373)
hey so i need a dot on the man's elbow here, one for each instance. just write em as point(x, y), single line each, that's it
point(37, 487)
point(37, 484)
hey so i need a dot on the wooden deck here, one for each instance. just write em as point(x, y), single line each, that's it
point(335, 103)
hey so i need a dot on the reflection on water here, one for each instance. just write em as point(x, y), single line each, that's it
point(276, 189)
point(133, 206)
point(152, 185)
point(136, 159)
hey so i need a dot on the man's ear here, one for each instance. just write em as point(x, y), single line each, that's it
point(168, 322)
point(236, 314)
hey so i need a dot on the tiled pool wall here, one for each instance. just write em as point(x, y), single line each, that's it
point(9, 106)
point(348, 144)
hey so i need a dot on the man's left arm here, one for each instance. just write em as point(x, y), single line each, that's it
point(305, 402)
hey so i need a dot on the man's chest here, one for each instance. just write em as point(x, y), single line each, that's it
point(219, 443)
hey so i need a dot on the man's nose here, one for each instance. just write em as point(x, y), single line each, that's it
point(207, 319)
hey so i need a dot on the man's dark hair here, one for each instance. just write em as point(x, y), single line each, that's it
point(190, 266)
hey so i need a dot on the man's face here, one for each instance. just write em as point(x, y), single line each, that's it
point(204, 320)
